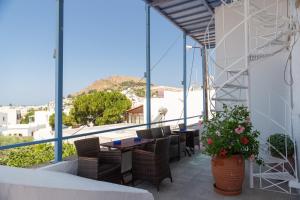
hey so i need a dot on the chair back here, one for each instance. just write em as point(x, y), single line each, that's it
point(166, 130)
point(161, 148)
point(145, 134)
point(156, 132)
point(89, 147)
point(181, 126)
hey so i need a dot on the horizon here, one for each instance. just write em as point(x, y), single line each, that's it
point(81, 90)
point(93, 47)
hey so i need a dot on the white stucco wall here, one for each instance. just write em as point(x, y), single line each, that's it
point(296, 90)
point(269, 95)
point(173, 102)
point(3, 119)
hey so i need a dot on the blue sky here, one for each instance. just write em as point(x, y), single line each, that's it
point(102, 38)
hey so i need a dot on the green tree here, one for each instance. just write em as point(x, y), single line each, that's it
point(67, 120)
point(29, 115)
point(100, 108)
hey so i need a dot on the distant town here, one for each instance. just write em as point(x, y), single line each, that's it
point(35, 122)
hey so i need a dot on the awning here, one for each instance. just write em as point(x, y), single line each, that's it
point(194, 17)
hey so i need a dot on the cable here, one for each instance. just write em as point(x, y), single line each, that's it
point(190, 79)
point(165, 53)
point(290, 58)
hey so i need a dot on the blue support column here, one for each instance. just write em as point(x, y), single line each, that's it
point(59, 81)
point(204, 84)
point(148, 68)
point(184, 82)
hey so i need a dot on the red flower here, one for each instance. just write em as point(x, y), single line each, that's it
point(209, 141)
point(223, 153)
point(244, 140)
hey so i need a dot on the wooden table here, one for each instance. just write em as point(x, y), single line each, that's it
point(189, 137)
point(127, 144)
point(126, 147)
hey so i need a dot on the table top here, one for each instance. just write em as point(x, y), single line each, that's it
point(127, 143)
point(185, 131)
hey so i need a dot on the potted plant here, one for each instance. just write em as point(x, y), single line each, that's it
point(281, 146)
point(229, 139)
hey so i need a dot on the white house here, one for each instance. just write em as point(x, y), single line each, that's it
point(171, 103)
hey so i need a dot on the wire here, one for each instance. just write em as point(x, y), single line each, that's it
point(290, 58)
point(190, 78)
point(165, 53)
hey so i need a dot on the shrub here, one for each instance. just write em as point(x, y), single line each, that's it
point(33, 155)
point(229, 133)
point(279, 141)
point(6, 140)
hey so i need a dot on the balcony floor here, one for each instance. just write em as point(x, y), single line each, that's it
point(192, 180)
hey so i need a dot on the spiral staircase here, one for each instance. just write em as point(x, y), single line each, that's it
point(267, 33)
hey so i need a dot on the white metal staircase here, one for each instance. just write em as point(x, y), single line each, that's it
point(266, 33)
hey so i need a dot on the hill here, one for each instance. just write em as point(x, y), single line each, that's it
point(121, 83)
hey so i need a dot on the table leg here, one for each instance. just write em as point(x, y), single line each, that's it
point(188, 152)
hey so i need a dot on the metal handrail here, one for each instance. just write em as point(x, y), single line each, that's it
point(11, 146)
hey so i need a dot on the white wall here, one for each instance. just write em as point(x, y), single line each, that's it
point(173, 101)
point(269, 95)
point(42, 118)
point(12, 116)
point(3, 119)
point(296, 91)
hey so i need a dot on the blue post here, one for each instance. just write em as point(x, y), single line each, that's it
point(184, 82)
point(59, 81)
point(148, 68)
point(204, 79)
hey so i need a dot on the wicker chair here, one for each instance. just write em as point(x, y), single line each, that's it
point(145, 134)
point(156, 132)
point(181, 126)
point(152, 166)
point(96, 164)
point(177, 142)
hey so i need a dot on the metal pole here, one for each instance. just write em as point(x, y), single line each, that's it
point(184, 82)
point(59, 81)
point(204, 82)
point(148, 68)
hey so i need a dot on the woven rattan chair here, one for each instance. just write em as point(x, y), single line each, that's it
point(96, 164)
point(152, 166)
point(145, 134)
point(177, 142)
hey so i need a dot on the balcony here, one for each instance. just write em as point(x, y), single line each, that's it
point(244, 46)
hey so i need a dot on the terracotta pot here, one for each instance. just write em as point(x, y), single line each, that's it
point(228, 174)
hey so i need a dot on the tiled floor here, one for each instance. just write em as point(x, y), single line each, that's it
point(193, 180)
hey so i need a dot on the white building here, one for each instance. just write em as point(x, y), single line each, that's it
point(10, 116)
point(171, 103)
point(3, 119)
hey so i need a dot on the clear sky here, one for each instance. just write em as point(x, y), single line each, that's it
point(102, 38)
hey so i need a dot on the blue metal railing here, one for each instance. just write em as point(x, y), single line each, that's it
point(11, 146)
